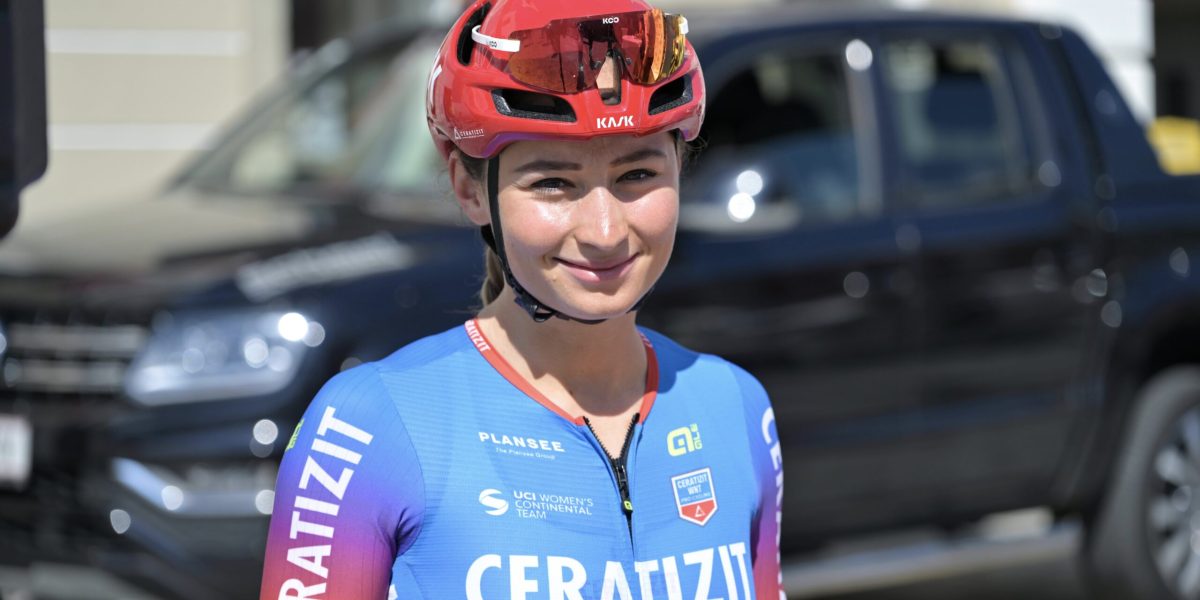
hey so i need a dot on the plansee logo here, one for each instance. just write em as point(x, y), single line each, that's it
point(490, 499)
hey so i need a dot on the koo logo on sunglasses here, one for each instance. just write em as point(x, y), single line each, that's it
point(610, 20)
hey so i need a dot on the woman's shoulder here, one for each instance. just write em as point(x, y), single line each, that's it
point(435, 350)
point(676, 355)
point(374, 380)
point(676, 359)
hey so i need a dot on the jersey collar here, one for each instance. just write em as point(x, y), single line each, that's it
point(481, 343)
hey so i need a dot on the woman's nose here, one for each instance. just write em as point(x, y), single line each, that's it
point(601, 221)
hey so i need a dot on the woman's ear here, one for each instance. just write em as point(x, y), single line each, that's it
point(469, 193)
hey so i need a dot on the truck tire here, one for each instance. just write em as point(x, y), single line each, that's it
point(1144, 543)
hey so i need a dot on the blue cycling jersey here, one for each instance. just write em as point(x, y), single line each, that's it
point(439, 473)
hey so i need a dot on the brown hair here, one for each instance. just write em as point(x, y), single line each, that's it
point(493, 281)
point(493, 277)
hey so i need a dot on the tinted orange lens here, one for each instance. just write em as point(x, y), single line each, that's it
point(565, 56)
point(653, 45)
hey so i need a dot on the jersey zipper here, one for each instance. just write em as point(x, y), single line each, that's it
point(619, 468)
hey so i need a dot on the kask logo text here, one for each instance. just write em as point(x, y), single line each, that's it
point(614, 122)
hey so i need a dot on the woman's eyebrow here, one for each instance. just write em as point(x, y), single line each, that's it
point(559, 165)
point(639, 155)
point(548, 165)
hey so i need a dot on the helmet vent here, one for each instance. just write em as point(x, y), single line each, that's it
point(672, 95)
point(532, 105)
point(465, 44)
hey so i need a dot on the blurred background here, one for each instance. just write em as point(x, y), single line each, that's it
point(963, 256)
point(136, 87)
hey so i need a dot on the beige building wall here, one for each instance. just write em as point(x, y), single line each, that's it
point(135, 87)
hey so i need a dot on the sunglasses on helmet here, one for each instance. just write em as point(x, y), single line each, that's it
point(566, 55)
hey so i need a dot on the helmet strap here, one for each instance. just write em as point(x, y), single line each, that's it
point(493, 236)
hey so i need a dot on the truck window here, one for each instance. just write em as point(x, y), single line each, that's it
point(359, 127)
point(960, 137)
point(781, 149)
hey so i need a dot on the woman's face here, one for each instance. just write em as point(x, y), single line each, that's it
point(589, 226)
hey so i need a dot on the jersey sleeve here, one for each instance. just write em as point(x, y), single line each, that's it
point(349, 496)
point(768, 467)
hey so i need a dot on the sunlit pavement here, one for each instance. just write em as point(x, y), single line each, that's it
point(1002, 563)
point(1055, 580)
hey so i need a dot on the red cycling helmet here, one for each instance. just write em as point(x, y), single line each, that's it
point(514, 70)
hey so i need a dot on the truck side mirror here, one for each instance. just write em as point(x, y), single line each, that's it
point(23, 152)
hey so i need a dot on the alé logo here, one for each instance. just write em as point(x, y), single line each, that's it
point(614, 122)
point(490, 499)
point(683, 440)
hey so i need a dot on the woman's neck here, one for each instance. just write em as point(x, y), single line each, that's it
point(597, 369)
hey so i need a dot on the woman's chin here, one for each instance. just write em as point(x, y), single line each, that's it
point(602, 308)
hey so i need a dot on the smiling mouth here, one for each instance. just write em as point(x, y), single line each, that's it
point(598, 271)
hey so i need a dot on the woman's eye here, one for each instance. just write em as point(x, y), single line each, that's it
point(638, 175)
point(551, 184)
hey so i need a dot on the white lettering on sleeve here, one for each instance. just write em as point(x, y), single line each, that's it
point(296, 586)
point(299, 527)
point(328, 421)
point(565, 589)
point(325, 508)
point(312, 469)
point(311, 559)
point(767, 419)
point(777, 462)
point(336, 451)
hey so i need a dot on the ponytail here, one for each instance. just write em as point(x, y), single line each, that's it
point(493, 281)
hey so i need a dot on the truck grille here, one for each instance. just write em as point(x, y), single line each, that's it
point(64, 374)
point(47, 358)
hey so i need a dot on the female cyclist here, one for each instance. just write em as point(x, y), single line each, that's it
point(548, 448)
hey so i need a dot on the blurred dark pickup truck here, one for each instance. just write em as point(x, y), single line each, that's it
point(943, 243)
